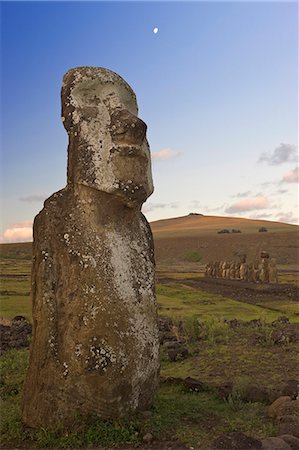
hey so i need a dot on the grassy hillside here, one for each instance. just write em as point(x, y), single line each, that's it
point(183, 242)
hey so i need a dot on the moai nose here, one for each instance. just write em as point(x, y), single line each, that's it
point(127, 129)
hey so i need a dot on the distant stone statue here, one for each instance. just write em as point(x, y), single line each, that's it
point(273, 276)
point(95, 336)
point(264, 268)
point(243, 268)
point(255, 277)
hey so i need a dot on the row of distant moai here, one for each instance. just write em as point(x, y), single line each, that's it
point(262, 270)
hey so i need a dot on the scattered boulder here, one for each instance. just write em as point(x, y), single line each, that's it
point(272, 443)
point(289, 333)
point(165, 324)
point(233, 323)
point(255, 323)
point(291, 388)
point(225, 390)
point(148, 437)
point(254, 393)
point(15, 335)
point(289, 425)
point(281, 320)
point(283, 406)
point(194, 385)
point(236, 441)
point(291, 440)
point(177, 353)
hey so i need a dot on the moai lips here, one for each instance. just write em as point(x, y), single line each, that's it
point(95, 347)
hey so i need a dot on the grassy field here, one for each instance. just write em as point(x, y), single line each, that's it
point(218, 355)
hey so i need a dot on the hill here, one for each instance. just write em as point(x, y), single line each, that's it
point(181, 243)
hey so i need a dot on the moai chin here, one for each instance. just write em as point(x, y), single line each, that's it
point(95, 335)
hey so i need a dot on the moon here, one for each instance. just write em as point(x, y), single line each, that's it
point(155, 30)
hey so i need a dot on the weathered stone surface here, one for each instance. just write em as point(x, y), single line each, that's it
point(236, 441)
point(289, 425)
point(291, 440)
point(272, 443)
point(283, 406)
point(95, 335)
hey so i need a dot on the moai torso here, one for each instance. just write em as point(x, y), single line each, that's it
point(250, 274)
point(273, 275)
point(264, 268)
point(256, 278)
point(95, 336)
point(243, 268)
point(232, 271)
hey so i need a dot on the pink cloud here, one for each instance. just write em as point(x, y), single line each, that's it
point(18, 232)
point(248, 204)
point(292, 176)
point(164, 154)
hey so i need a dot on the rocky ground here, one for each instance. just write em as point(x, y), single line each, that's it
point(239, 290)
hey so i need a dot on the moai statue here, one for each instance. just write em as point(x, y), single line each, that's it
point(256, 278)
point(237, 271)
point(227, 269)
point(95, 347)
point(208, 270)
point(223, 268)
point(232, 271)
point(243, 268)
point(218, 270)
point(250, 272)
point(273, 276)
point(264, 267)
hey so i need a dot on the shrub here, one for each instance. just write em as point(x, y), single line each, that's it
point(263, 230)
point(224, 231)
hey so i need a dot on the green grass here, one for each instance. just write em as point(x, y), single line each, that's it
point(195, 419)
point(178, 300)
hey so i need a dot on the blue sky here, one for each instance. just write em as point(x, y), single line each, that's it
point(217, 87)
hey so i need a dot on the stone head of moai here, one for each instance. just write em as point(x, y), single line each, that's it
point(108, 149)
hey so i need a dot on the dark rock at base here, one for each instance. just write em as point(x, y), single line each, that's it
point(274, 443)
point(178, 353)
point(254, 393)
point(166, 336)
point(233, 323)
point(290, 333)
point(194, 385)
point(289, 425)
point(225, 390)
point(282, 320)
point(171, 380)
point(255, 323)
point(171, 344)
point(165, 324)
point(291, 388)
point(291, 440)
point(15, 335)
point(236, 441)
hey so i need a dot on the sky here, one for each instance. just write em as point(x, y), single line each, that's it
point(217, 86)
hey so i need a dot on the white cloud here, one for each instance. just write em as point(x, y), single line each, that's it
point(33, 198)
point(164, 154)
point(242, 194)
point(248, 204)
point(283, 153)
point(18, 232)
point(149, 207)
point(288, 217)
point(261, 216)
point(292, 176)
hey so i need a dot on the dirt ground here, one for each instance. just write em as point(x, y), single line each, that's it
point(239, 290)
